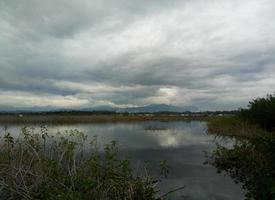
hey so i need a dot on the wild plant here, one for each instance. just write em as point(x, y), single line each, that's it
point(69, 166)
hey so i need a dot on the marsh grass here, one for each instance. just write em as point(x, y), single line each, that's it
point(69, 166)
point(89, 118)
point(233, 126)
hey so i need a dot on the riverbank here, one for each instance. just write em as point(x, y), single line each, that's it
point(251, 160)
point(233, 126)
point(92, 118)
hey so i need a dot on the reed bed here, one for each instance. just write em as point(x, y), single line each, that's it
point(233, 126)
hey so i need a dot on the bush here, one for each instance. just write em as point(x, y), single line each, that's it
point(67, 166)
point(261, 111)
point(251, 160)
point(252, 163)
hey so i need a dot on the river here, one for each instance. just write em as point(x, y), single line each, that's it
point(181, 143)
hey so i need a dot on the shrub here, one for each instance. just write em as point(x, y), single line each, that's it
point(68, 166)
point(261, 111)
point(252, 163)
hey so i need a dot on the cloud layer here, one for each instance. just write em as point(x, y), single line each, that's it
point(71, 54)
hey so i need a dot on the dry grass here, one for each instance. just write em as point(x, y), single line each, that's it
point(86, 118)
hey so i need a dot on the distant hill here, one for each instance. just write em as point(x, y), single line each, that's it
point(149, 108)
point(159, 108)
point(101, 108)
point(142, 109)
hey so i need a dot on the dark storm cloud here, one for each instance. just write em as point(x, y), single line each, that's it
point(66, 53)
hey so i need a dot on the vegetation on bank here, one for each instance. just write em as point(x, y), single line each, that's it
point(69, 167)
point(233, 126)
point(251, 161)
point(257, 119)
point(261, 111)
point(74, 118)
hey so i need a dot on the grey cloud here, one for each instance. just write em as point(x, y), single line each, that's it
point(203, 53)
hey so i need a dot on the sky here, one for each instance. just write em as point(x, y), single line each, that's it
point(212, 54)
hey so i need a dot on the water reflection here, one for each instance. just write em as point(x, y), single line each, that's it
point(181, 143)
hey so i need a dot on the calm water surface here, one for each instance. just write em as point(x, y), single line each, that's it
point(182, 144)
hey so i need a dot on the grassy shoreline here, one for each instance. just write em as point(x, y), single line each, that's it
point(251, 160)
point(233, 127)
point(86, 118)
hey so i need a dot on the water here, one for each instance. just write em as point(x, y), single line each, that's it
point(182, 144)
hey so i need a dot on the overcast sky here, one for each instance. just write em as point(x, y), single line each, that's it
point(213, 54)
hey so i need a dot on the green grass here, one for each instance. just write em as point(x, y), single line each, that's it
point(69, 166)
point(233, 126)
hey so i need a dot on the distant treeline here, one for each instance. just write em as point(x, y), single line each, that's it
point(261, 111)
point(60, 113)
point(75, 112)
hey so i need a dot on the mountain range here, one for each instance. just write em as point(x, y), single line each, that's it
point(148, 108)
